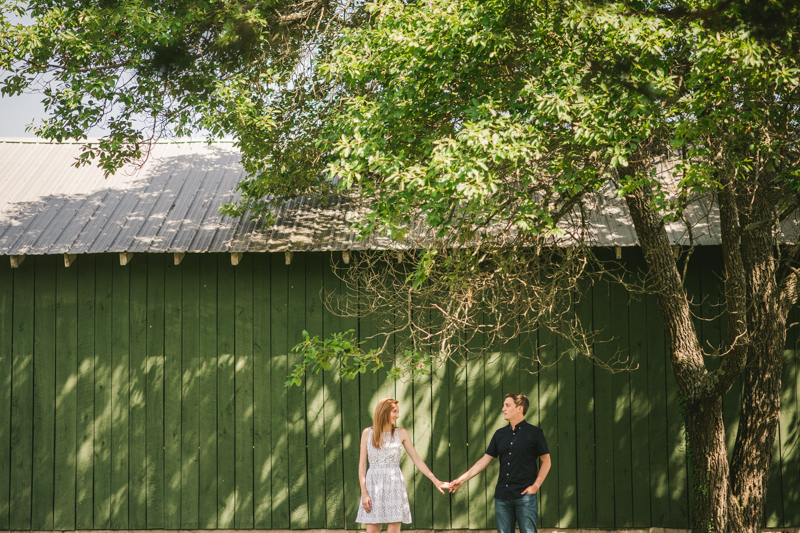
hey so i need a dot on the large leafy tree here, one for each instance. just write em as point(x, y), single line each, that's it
point(518, 111)
point(487, 118)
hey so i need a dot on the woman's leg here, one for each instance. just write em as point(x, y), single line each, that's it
point(375, 528)
point(393, 527)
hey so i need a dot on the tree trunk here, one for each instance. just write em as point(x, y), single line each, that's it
point(752, 454)
point(769, 305)
point(704, 425)
point(708, 456)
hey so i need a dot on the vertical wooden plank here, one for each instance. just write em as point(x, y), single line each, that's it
point(137, 451)
point(262, 400)
point(440, 462)
point(379, 323)
point(476, 438)
point(102, 391)
point(22, 397)
point(623, 483)
point(789, 423)
point(44, 386)
point(527, 348)
point(676, 439)
point(529, 386)
point(173, 332)
point(298, 474)
point(6, 368)
point(315, 263)
point(423, 490)
point(66, 395)
point(793, 466)
point(584, 417)
point(404, 393)
point(334, 483)
point(640, 407)
point(567, 446)
point(279, 347)
point(207, 382)
point(773, 508)
point(368, 382)
point(603, 406)
point(226, 417)
point(351, 439)
point(731, 411)
point(711, 304)
point(696, 300)
point(493, 403)
point(120, 398)
point(351, 427)
point(657, 366)
point(84, 505)
point(189, 383)
point(511, 364)
point(549, 423)
point(244, 392)
point(155, 391)
point(459, 501)
point(732, 401)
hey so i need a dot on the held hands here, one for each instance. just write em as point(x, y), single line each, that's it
point(441, 485)
point(455, 484)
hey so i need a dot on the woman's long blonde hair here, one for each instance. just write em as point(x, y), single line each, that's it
point(381, 420)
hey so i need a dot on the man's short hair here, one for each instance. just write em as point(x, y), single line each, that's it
point(519, 399)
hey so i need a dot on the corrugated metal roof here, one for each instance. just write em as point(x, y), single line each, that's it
point(171, 204)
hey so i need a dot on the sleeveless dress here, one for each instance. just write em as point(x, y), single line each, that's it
point(385, 484)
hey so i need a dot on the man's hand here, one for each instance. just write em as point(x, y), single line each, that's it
point(531, 490)
point(455, 484)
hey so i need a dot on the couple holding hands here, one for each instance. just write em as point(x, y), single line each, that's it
point(519, 446)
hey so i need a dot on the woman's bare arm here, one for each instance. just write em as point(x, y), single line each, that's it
point(419, 463)
point(366, 501)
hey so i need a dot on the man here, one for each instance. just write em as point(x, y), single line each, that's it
point(518, 445)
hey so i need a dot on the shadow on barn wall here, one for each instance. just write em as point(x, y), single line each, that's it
point(152, 396)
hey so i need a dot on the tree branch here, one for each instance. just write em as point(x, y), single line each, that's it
point(783, 215)
point(717, 383)
point(685, 351)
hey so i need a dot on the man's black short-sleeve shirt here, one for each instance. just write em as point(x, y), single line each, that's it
point(519, 451)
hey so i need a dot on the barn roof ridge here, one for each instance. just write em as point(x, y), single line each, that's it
point(171, 204)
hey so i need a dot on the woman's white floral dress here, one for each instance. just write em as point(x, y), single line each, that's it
point(385, 484)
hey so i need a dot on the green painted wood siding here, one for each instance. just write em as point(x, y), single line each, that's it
point(151, 396)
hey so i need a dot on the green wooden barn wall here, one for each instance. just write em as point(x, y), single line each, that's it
point(152, 396)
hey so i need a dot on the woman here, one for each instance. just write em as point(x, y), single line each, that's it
point(383, 492)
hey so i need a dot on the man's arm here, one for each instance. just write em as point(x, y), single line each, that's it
point(479, 466)
point(543, 470)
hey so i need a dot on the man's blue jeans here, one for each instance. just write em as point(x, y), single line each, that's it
point(523, 511)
